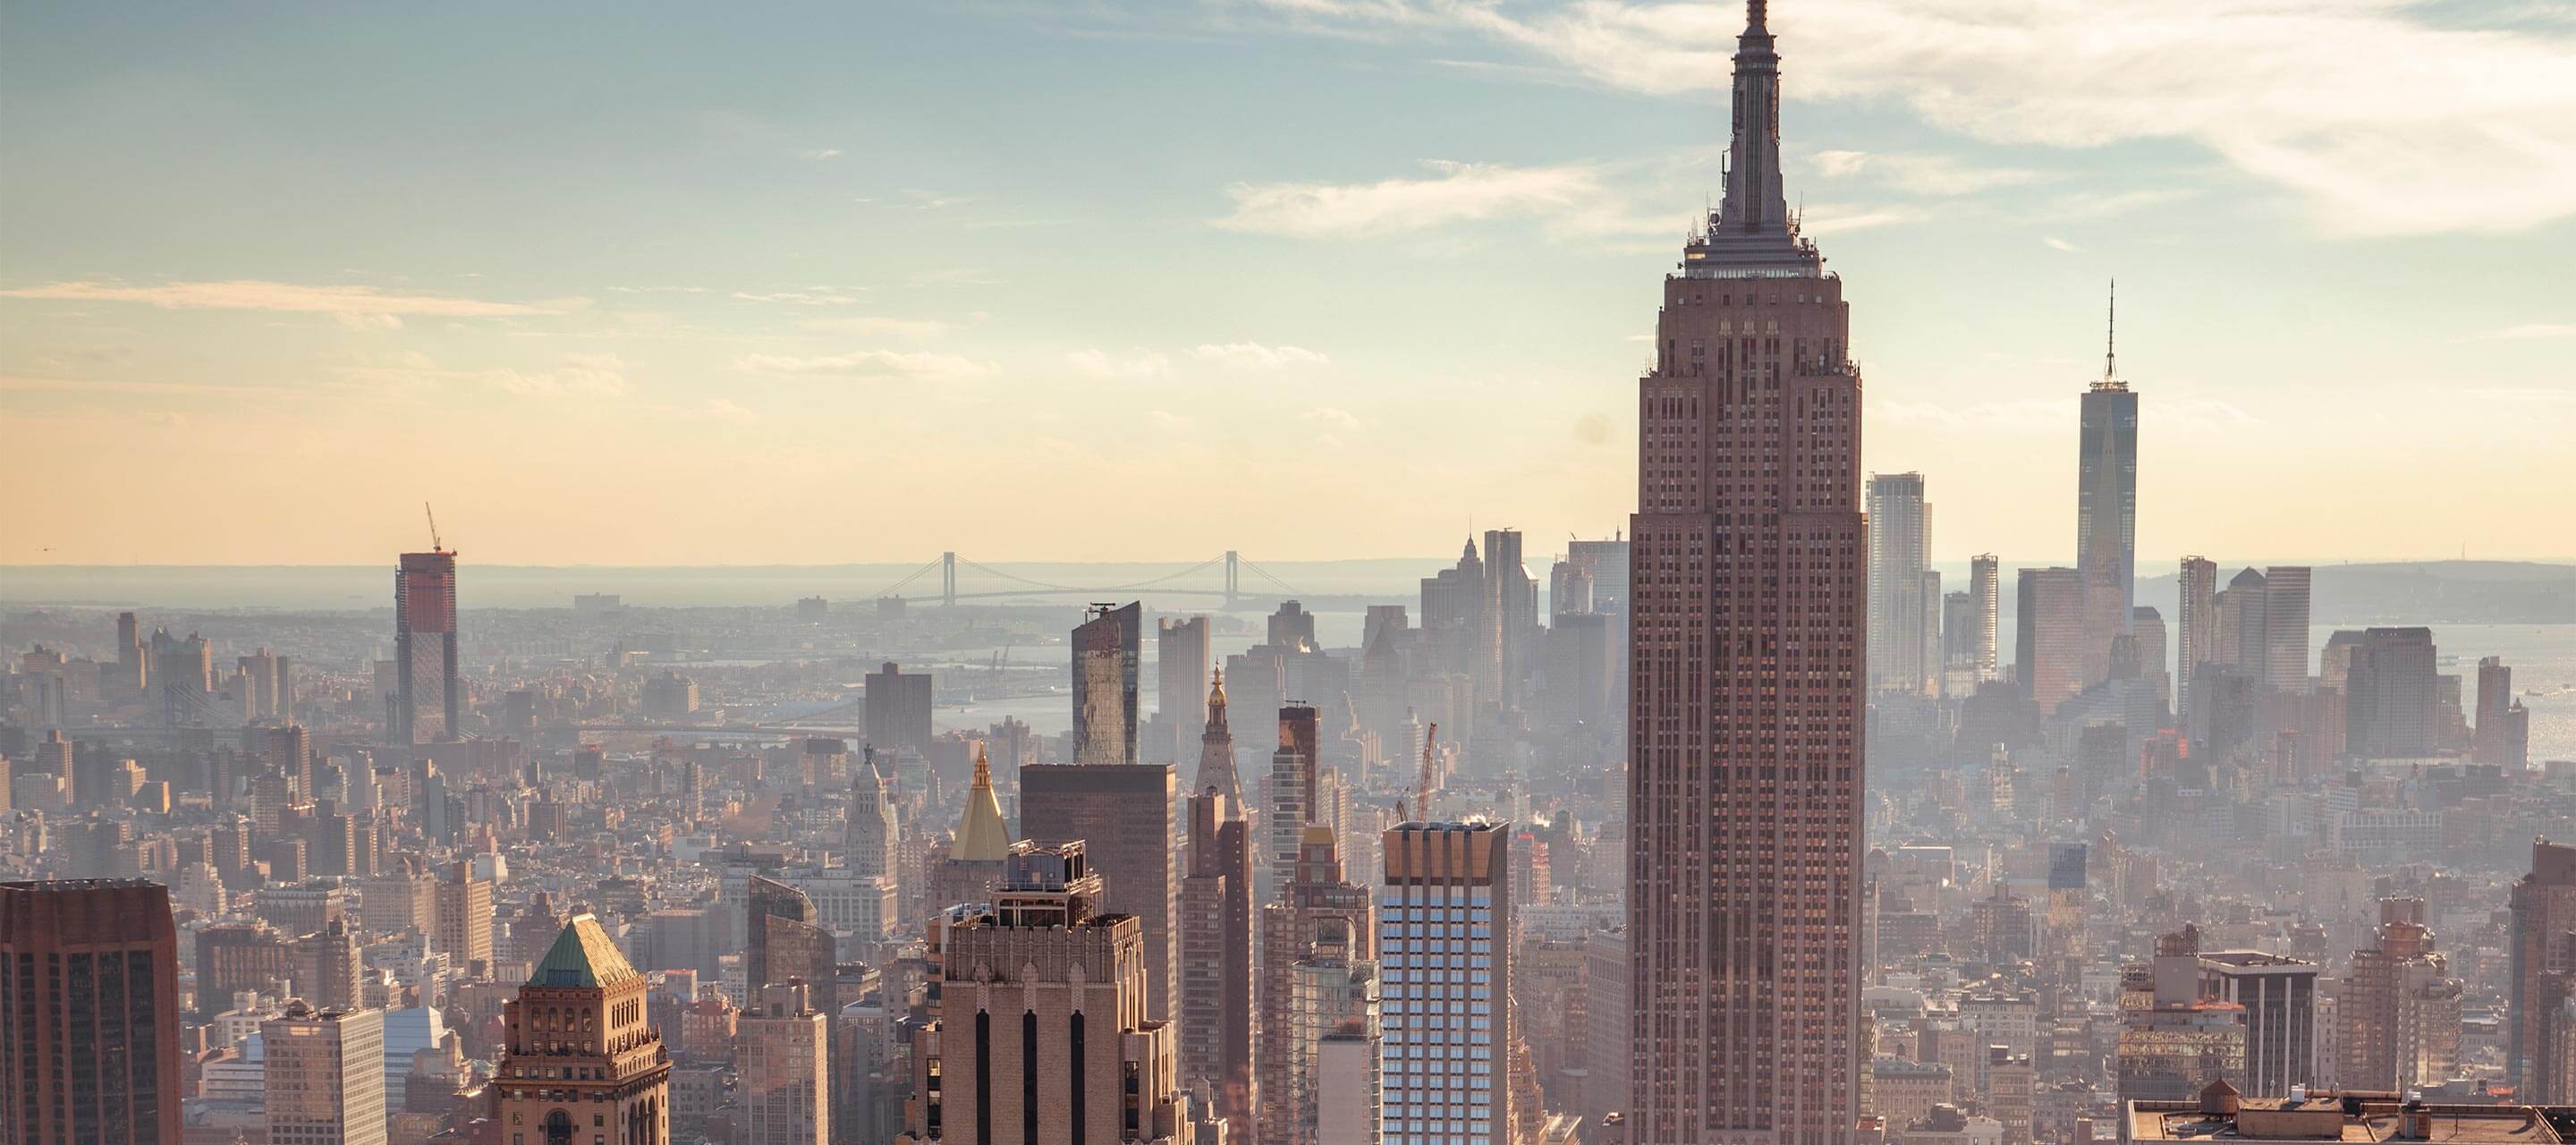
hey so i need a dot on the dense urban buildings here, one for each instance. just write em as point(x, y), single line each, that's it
point(1732, 828)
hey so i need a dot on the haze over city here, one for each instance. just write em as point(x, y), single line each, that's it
point(1295, 572)
point(862, 284)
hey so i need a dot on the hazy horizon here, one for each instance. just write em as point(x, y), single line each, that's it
point(732, 291)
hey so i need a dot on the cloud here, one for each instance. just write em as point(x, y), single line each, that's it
point(880, 324)
point(822, 153)
point(1454, 193)
point(1099, 364)
point(2055, 243)
point(367, 321)
point(871, 364)
point(2534, 330)
point(954, 276)
point(723, 410)
point(1842, 218)
point(810, 296)
point(2314, 97)
point(361, 302)
point(1258, 356)
point(597, 375)
point(1332, 418)
point(1923, 174)
point(1166, 420)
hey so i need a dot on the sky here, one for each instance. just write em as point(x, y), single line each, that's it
point(742, 284)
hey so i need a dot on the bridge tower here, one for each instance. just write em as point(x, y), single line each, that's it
point(948, 579)
point(1232, 560)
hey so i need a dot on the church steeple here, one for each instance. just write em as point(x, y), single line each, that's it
point(1755, 202)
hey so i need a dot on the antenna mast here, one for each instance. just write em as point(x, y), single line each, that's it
point(2111, 336)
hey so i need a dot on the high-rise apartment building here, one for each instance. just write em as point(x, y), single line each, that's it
point(1125, 814)
point(2049, 636)
point(1746, 689)
point(2173, 1039)
point(784, 1063)
point(898, 709)
point(1106, 646)
point(428, 691)
point(1900, 553)
point(133, 669)
point(1444, 914)
point(1216, 928)
point(1510, 617)
point(2398, 1018)
point(2195, 630)
point(581, 1061)
point(2502, 734)
point(324, 1073)
point(2279, 997)
point(1313, 941)
point(89, 1013)
point(1039, 1032)
point(465, 917)
point(2543, 938)
point(787, 940)
point(1291, 794)
point(184, 672)
point(1181, 666)
point(2285, 628)
point(2392, 701)
point(1985, 592)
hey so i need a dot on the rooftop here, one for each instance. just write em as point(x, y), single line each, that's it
point(583, 955)
point(2358, 1118)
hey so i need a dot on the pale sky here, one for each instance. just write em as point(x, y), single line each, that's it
point(688, 283)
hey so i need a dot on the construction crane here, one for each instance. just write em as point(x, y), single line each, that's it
point(1422, 789)
point(434, 545)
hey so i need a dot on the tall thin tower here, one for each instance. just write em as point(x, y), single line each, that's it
point(427, 691)
point(2106, 507)
point(1747, 662)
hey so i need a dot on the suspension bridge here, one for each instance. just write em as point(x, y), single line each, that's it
point(949, 564)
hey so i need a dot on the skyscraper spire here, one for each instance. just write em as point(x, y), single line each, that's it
point(1216, 748)
point(1755, 202)
point(2111, 337)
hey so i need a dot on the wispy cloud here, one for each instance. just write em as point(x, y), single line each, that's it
point(1922, 173)
point(819, 154)
point(1453, 193)
point(1101, 364)
point(870, 364)
point(2058, 244)
point(722, 410)
point(2534, 330)
point(1843, 218)
point(879, 324)
point(1258, 356)
point(810, 296)
point(289, 298)
point(2312, 96)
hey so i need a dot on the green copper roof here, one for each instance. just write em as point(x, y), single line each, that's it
point(583, 955)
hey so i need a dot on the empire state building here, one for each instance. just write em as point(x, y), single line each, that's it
point(1745, 711)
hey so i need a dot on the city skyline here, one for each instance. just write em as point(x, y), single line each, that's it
point(696, 267)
